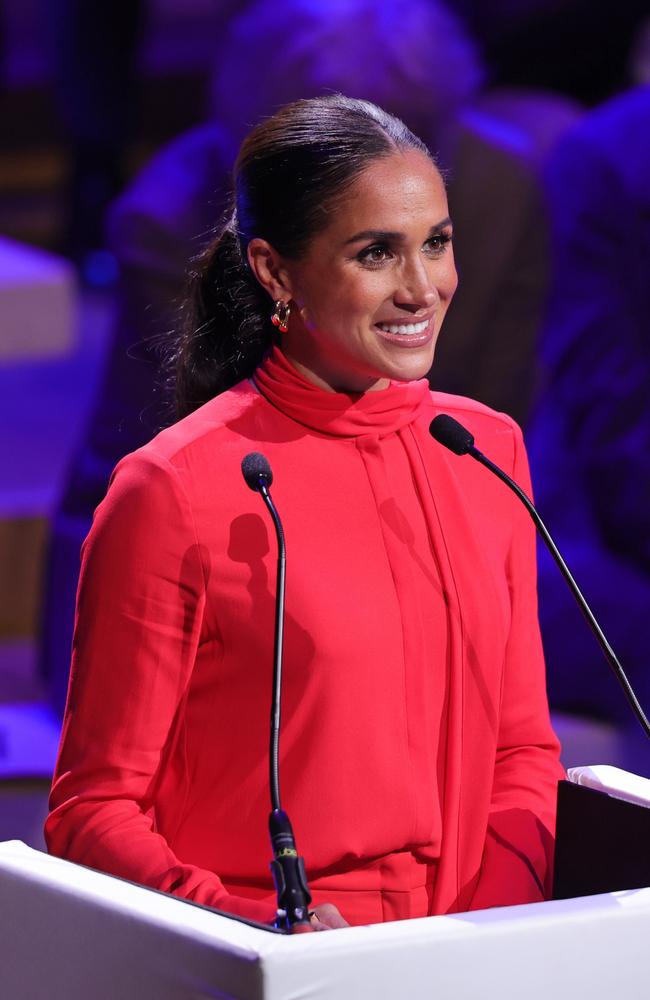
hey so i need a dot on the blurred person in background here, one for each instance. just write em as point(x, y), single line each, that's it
point(590, 439)
point(576, 48)
point(94, 56)
point(415, 60)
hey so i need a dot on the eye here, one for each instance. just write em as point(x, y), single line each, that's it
point(374, 255)
point(437, 244)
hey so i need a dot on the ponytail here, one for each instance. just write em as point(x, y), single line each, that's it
point(226, 328)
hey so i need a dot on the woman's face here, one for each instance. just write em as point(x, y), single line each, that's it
point(369, 296)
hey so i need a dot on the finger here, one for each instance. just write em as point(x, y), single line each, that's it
point(329, 915)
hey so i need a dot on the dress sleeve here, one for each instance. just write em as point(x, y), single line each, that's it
point(518, 854)
point(139, 612)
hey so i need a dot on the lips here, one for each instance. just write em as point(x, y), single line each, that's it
point(407, 335)
point(404, 329)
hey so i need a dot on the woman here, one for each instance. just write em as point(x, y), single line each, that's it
point(418, 766)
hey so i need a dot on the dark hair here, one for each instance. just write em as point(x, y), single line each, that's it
point(289, 174)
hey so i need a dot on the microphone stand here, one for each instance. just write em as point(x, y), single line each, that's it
point(461, 442)
point(287, 867)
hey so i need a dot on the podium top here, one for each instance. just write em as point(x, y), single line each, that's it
point(614, 781)
point(86, 934)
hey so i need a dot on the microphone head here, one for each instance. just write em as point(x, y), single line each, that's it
point(453, 435)
point(256, 471)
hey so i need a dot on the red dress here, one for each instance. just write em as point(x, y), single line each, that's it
point(418, 763)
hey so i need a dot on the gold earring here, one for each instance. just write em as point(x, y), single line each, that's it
point(280, 317)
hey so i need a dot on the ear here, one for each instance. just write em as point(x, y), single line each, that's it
point(268, 267)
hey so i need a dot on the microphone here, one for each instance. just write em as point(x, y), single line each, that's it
point(256, 471)
point(287, 867)
point(458, 439)
point(453, 435)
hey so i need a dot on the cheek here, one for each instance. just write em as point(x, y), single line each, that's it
point(448, 282)
point(368, 292)
point(338, 297)
point(354, 298)
point(315, 301)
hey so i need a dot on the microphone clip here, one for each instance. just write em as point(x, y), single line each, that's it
point(289, 876)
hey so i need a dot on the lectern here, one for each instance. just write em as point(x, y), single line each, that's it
point(603, 832)
point(68, 933)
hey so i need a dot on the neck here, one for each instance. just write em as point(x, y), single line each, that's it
point(330, 382)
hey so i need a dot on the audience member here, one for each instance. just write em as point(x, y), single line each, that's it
point(577, 48)
point(590, 440)
point(94, 49)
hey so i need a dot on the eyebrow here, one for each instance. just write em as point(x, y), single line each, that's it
point(386, 236)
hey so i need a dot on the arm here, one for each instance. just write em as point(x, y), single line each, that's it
point(517, 859)
point(139, 615)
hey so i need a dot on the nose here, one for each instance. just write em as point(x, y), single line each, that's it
point(417, 289)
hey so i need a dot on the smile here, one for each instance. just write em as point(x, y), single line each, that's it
point(404, 329)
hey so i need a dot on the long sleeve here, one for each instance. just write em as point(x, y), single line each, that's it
point(140, 606)
point(517, 860)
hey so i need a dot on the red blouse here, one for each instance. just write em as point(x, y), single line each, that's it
point(415, 729)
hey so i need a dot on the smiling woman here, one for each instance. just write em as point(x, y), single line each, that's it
point(418, 760)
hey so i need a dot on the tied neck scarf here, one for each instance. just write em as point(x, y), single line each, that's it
point(340, 414)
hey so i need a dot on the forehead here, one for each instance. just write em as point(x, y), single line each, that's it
point(394, 192)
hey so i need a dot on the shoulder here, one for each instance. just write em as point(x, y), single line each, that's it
point(542, 115)
point(179, 192)
point(231, 414)
point(185, 165)
point(495, 136)
point(156, 489)
point(495, 433)
point(619, 118)
point(197, 443)
point(474, 413)
point(612, 136)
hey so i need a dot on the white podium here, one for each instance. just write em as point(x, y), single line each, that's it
point(68, 933)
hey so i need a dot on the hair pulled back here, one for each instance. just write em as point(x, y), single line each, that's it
point(289, 174)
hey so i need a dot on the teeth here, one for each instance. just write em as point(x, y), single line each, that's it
point(404, 328)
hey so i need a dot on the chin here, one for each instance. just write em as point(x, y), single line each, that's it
point(410, 369)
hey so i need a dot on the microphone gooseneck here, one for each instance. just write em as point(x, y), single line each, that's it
point(287, 867)
point(453, 435)
point(259, 477)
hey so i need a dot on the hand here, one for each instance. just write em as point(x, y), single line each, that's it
point(326, 917)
